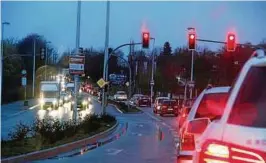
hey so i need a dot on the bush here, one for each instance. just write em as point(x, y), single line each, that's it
point(90, 123)
point(108, 118)
point(21, 132)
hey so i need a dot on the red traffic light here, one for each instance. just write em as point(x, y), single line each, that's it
point(191, 41)
point(145, 39)
point(231, 42)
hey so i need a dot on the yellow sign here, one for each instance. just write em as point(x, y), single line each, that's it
point(101, 83)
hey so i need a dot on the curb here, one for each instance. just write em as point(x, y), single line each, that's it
point(116, 108)
point(51, 152)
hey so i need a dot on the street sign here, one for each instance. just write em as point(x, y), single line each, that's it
point(191, 84)
point(76, 65)
point(23, 72)
point(101, 83)
point(152, 82)
point(127, 83)
point(24, 81)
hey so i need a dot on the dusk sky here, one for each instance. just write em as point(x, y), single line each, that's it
point(167, 21)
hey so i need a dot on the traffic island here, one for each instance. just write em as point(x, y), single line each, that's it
point(124, 108)
point(49, 138)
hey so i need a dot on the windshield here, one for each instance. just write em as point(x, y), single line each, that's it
point(49, 94)
point(212, 105)
point(121, 93)
point(168, 102)
point(250, 106)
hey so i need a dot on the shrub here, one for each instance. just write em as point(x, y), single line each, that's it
point(107, 118)
point(90, 123)
point(21, 132)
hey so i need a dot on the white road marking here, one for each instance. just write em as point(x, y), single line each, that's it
point(20, 112)
point(113, 151)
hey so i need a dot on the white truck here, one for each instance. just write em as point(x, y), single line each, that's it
point(50, 95)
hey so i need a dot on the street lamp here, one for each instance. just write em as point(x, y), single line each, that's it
point(1, 59)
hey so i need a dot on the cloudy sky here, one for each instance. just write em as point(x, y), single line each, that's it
point(167, 21)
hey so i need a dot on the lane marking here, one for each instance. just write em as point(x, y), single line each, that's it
point(20, 112)
point(113, 151)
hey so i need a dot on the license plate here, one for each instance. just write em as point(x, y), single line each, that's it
point(170, 109)
point(145, 100)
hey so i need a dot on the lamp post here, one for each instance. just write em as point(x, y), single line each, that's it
point(1, 59)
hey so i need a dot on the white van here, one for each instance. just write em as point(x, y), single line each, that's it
point(240, 134)
point(49, 94)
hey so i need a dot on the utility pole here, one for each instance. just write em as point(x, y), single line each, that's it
point(76, 77)
point(33, 69)
point(106, 55)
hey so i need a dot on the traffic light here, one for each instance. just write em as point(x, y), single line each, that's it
point(231, 42)
point(145, 39)
point(191, 41)
point(43, 54)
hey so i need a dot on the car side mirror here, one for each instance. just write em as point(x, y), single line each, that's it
point(197, 126)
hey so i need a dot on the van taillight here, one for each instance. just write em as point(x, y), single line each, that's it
point(219, 152)
point(188, 142)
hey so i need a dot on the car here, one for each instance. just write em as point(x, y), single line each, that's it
point(134, 98)
point(83, 102)
point(210, 100)
point(120, 96)
point(143, 101)
point(157, 104)
point(168, 107)
point(66, 97)
point(239, 135)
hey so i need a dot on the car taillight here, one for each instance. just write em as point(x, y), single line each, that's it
point(220, 152)
point(188, 142)
point(164, 106)
point(175, 107)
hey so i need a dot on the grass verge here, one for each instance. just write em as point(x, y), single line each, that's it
point(49, 133)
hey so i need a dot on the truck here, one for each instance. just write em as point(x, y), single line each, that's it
point(50, 95)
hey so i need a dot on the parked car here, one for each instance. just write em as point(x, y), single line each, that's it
point(120, 96)
point(158, 104)
point(168, 107)
point(209, 103)
point(143, 101)
point(240, 134)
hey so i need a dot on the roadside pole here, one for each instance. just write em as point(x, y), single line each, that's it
point(76, 77)
point(192, 73)
point(33, 69)
point(106, 56)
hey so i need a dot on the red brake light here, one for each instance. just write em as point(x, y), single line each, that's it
point(188, 142)
point(220, 152)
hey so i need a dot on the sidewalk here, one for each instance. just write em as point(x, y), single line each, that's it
point(15, 108)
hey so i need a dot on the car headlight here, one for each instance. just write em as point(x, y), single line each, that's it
point(66, 98)
point(55, 102)
point(89, 99)
point(80, 91)
point(60, 101)
point(41, 101)
point(72, 102)
point(158, 107)
point(84, 102)
point(69, 96)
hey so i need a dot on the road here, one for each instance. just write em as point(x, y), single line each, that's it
point(148, 139)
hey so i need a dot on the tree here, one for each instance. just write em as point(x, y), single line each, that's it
point(167, 50)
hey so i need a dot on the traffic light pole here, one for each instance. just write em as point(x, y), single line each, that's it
point(152, 72)
point(192, 72)
point(105, 67)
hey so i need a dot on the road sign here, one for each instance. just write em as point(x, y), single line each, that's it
point(127, 83)
point(24, 81)
point(152, 82)
point(76, 65)
point(23, 72)
point(191, 84)
point(101, 83)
